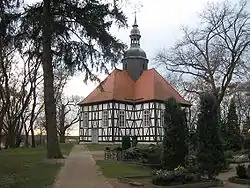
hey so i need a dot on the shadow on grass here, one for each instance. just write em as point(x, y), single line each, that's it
point(26, 167)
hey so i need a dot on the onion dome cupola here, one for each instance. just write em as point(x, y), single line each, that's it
point(135, 59)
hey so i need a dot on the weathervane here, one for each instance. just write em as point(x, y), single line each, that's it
point(137, 6)
point(135, 13)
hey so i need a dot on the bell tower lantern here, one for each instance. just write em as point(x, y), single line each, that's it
point(135, 60)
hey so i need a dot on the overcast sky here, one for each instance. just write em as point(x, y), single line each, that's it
point(159, 22)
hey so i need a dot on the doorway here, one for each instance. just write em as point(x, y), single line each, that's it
point(94, 135)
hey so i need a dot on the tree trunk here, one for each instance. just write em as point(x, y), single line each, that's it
point(62, 136)
point(33, 142)
point(18, 140)
point(53, 150)
point(61, 123)
point(1, 132)
point(6, 143)
point(26, 139)
point(11, 140)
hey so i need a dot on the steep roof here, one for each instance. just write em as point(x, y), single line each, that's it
point(119, 86)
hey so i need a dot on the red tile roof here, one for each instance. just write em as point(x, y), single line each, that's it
point(119, 86)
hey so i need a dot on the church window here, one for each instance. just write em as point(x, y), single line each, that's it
point(105, 119)
point(85, 119)
point(146, 118)
point(121, 118)
point(162, 118)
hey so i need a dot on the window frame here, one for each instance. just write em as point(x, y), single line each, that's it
point(121, 114)
point(146, 118)
point(85, 119)
point(105, 118)
point(162, 118)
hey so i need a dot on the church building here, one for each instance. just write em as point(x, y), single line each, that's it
point(128, 102)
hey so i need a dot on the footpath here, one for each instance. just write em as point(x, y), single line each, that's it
point(80, 171)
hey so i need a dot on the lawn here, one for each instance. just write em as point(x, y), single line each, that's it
point(113, 169)
point(27, 167)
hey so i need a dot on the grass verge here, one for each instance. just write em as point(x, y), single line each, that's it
point(26, 167)
point(113, 169)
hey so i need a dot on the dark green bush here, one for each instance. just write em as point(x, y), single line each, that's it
point(151, 146)
point(233, 136)
point(174, 145)
point(241, 171)
point(244, 151)
point(210, 151)
point(107, 148)
point(249, 156)
point(126, 142)
point(247, 144)
point(165, 177)
point(134, 141)
point(225, 165)
point(118, 148)
point(132, 154)
point(248, 171)
point(151, 155)
point(229, 154)
point(191, 163)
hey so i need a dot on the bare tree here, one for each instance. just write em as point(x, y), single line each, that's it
point(21, 86)
point(214, 52)
point(68, 115)
point(35, 108)
point(7, 17)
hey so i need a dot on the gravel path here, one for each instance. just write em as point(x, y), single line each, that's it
point(80, 171)
point(224, 177)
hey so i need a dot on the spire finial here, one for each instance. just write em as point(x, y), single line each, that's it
point(135, 22)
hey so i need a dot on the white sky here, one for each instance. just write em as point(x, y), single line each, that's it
point(159, 22)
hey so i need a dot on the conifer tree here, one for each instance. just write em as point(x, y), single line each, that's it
point(210, 149)
point(223, 131)
point(175, 146)
point(233, 139)
point(75, 34)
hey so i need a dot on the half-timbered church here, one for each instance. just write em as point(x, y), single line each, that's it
point(128, 102)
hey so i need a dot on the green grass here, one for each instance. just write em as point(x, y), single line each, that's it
point(113, 169)
point(27, 167)
point(100, 147)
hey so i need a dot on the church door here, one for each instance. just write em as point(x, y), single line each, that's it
point(94, 135)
